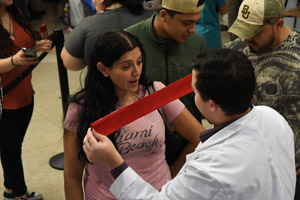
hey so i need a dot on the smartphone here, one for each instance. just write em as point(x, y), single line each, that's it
point(30, 53)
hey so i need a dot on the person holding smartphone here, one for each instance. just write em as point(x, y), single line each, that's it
point(15, 33)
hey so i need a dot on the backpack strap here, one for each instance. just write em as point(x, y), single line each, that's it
point(150, 90)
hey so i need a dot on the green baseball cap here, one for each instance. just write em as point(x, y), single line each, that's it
point(254, 14)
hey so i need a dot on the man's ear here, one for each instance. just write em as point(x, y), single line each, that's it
point(163, 15)
point(279, 23)
point(213, 105)
point(102, 69)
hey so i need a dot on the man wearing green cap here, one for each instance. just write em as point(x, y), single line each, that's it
point(170, 42)
point(274, 50)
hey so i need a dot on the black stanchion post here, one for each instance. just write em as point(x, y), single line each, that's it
point(57, 161)
point(62, 71)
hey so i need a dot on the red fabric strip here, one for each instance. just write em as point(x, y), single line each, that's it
point(149, 103)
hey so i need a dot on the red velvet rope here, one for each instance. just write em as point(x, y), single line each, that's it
point(149, 103)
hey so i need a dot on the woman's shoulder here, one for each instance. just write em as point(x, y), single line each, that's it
point(72, 117)
point(74, 107)
point(158, 85)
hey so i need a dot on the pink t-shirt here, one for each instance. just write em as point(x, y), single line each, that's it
point(140, 143)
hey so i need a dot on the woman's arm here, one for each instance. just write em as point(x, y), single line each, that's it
point(9, 63)
point(71, 62)
point(223, 9)
point(189, 128)
point(73, 168)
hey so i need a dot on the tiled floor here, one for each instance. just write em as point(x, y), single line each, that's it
point(44, 135)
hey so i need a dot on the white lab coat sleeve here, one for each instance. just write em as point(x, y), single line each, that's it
point(189, 184)
point(129, 185)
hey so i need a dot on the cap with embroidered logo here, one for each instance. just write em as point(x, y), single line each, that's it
point(254, 14)
point(152, 4)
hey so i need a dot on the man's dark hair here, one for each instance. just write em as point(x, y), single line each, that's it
point(172, 13)
point(227, 77)
point(134, 6)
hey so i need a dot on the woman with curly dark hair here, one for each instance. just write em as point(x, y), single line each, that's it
point(15, 33)
point(116, 78)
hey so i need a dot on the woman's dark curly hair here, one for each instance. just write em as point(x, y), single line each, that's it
point(98, 97)
point(6, 44)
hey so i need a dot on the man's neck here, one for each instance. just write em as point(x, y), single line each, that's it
point(114, 6)
point(158, 28)
point(283, 34)
point(225, 119)
point(100, 7)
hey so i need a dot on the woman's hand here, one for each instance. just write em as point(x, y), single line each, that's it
point(189, 128)
point(20, 59)
point(99, 149)
point(43, 45)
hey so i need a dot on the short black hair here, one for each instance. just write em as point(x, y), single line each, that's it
point(172, 13)
point(227, 77)
point(134, 6)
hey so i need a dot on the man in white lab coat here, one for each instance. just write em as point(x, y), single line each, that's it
point(249, 154)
